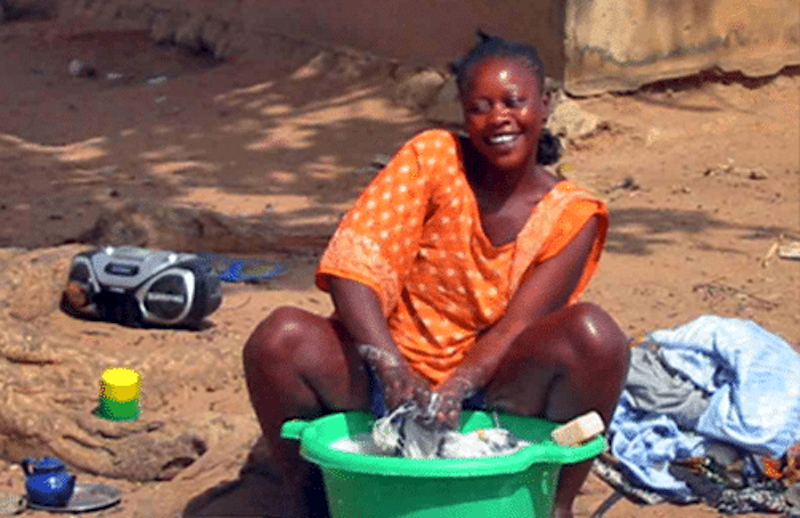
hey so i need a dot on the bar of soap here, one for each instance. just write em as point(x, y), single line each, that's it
point(579, 430)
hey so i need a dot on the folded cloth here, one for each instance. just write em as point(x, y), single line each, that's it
point(610, 473)
point(646, 443)
point(654, 388)
point(764, 497)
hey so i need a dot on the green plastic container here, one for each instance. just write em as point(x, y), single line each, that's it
point(368, 486)
point(116, 411)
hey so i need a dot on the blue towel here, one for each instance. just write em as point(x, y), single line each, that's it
point(753, 376)
point(646, 443)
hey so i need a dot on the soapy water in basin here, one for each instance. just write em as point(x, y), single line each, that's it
point(488, 442)
point(413, 432)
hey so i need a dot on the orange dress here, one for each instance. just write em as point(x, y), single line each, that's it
point(415, 237)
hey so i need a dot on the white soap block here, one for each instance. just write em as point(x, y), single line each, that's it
point(579, 430)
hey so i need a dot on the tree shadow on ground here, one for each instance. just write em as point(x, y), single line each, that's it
point(248, 495)
point(638, 231)
point(257, 491)
point(281, 143)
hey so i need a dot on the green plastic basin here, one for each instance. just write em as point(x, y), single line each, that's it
point(369, 486)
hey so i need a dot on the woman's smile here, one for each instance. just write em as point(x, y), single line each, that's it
point(503, 141)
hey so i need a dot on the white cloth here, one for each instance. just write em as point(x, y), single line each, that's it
point(410, 432)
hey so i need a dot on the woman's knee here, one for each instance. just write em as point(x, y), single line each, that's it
point(276, 338)
point(597, 338)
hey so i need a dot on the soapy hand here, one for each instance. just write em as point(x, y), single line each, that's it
point(400, 383)
point(446, 401)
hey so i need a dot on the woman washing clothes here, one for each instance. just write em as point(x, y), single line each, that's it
point(457, 272)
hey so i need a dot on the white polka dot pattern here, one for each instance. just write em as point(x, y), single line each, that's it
point(412, 238)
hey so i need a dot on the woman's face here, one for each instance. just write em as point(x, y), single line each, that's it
point(504, 112)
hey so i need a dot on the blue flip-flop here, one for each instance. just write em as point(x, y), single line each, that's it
point(258, 273)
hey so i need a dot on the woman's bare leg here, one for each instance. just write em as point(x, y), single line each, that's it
point(300, 365)
point(573, 361)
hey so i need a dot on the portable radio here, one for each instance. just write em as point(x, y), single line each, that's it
point(140, 286)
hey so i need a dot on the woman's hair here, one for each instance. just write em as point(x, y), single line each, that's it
point(488, 46)
point(549, 148)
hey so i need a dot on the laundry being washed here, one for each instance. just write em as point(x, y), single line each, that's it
point(410, 431)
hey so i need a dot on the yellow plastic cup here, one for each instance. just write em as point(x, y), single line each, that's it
point(119, 394)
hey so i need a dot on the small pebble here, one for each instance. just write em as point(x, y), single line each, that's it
point(78, 68)
point(157, 80)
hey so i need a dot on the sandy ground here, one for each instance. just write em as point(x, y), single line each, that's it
point(701, 179)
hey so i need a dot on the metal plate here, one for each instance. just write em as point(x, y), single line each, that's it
point(85, 497)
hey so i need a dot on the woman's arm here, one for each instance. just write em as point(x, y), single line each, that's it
point(545, 290)
point(359, 308)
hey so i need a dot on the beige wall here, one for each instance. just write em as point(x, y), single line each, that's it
point(620, 45)
point(592, 45)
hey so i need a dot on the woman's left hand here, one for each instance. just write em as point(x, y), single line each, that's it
point(447, 400)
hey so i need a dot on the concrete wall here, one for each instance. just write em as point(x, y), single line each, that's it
point(591, 45)
point(620, 45)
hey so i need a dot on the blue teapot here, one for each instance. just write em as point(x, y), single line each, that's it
point(48, 482)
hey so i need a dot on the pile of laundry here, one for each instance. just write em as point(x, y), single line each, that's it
point(710, 413)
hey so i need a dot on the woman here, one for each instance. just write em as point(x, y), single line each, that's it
point(457, 272)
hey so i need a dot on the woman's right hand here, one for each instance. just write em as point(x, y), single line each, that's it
point(400, 382)
point(402, 385)
point(360, 310)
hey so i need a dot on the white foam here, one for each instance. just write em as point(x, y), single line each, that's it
point(491, 442)
point(361, 444)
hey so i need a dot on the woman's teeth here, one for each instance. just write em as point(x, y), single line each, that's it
point(502, 139)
